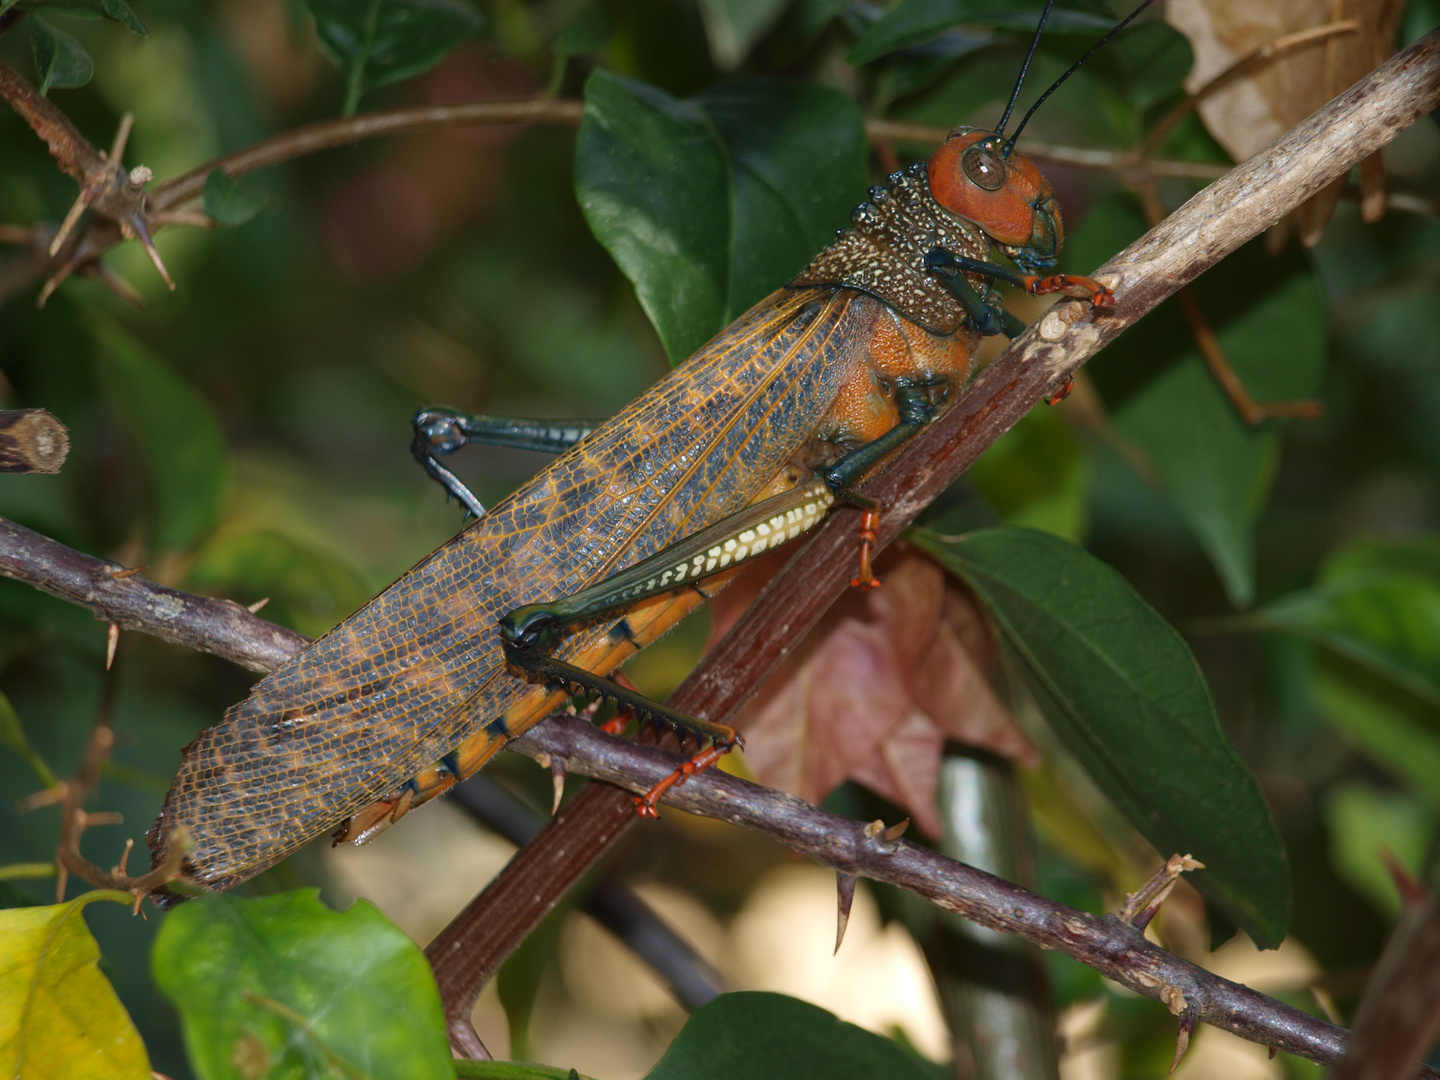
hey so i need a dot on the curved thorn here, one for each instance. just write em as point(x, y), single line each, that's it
point(845, 896)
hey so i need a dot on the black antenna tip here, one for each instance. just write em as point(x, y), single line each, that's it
point(1010, 142)
point(1025, 67)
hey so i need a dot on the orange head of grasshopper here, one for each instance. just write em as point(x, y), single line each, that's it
point(979, 175)
point(976, 175)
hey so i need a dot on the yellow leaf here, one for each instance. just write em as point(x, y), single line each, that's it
point(59, 1016)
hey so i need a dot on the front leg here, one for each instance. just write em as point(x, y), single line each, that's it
point(984, 318)
point(951, 268)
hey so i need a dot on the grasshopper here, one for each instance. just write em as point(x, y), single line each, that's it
point(635, 524)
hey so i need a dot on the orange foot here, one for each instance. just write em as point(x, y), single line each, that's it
point(869, 538)
point(1064, 391)
point(645, 804)
point(1076, 285)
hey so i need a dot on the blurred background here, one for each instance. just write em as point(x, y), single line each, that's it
point(247, 436)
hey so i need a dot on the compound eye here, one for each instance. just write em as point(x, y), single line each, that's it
point(984, 167)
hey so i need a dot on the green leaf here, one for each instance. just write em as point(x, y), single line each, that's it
point(471, 1069)
point(1368, 828)
point(762, 1036)
point(654, 182)
point(798, 155)
point(377, 42)
point(1377, 604)
point(733, 27)
point(115, 10)
point(12, 734)
point(1404, 745)
point(60, 60)
point(309, 590)
point(707, 205)
point(228, 202)
point(176, 432)
point(283, 986)
point(1270, 318)
point(1124, 694)
point(913, 22)
point(59, 1015)
point(1386, 621)
point(1217, 470)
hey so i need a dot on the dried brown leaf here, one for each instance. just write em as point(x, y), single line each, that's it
point(875, 691)
point(1251, 112)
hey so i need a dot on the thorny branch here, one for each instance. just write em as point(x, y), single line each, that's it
point(71, 794)
point(1202, 232)
point(123, 208)
point(1210, 226)
point(1112, 944)
point(1109, 944)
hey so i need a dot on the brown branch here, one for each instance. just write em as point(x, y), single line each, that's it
point(32, 441)
point(351, 129)
point(1207, 228)
point(96, 236)
point(1107, 943)
point(1400, 1013)
point(1202, 232)
point(221, 627)
point(1251, 411)
point(70, 149)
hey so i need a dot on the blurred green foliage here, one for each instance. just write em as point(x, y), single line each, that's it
point(246, 435)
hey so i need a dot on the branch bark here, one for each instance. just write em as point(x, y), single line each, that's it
point(117, 595)
point(463, 960)
point(1106, 943)
point(1194, 238)
point(1206, 229)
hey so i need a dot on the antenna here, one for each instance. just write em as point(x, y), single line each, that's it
point(1034, 44)
point(1010, 142)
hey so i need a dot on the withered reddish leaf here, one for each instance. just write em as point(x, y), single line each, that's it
point(873, 692)
point(1253, 111)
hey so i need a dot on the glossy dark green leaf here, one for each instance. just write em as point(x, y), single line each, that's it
point(116, 10)
point(376, 42)
point(709, 204)
point(799, 154)
point(1122, 691)
point(227, 201)
point(913, 22)
point(733, 26)
point(1270, 319)
point(308, 589)
point(60, 61)
point(283, 986)
point(174, 428)
point(653, 179)
point(762, 1036)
